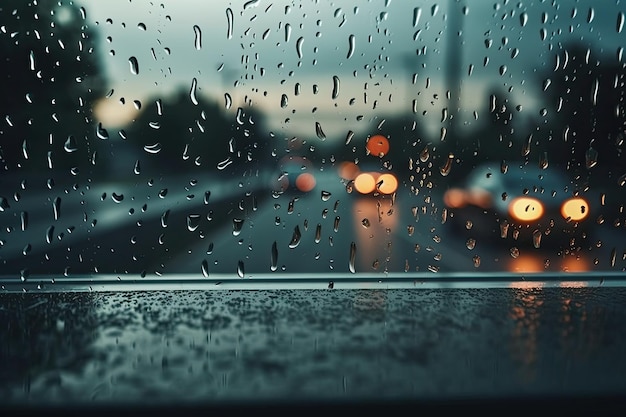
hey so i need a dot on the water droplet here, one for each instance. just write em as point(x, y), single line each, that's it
point(287, 32)
point(192, 91)
point(153, 148)
point(620, 22)
point(228, 101)
point(164, 218)
point(237, 226)
point(284, 101)
point(318, 233)
point(365, 223)
point(223, 164)
point(70, 144)
point(352, 257)
point(295, 238)
point(318, 130)
point(163, 193)
point(523, 19)
point(447, 167)
point(134, 65)
point(274, 257)
point(118, 198)
point(514, 252)
point(527, 144)
point(351, 46)
point(299, 43)
point(537, 238)
point(417, 13)
point(230, 22)
point(336, 224)
point(101, 132)
point(205, 268)
point(613, 257)
point(591, 15)
point(543, 162)
point(471, 243)
point(240, 269)
point(197, 37)
point(326, 195)
point(24, 220)
point(137, 167)
point(504, 228)
point(193, 221)
point(504, 167)
point(591, 158)
point(425, 154)
point(31, 60)
point(336, 87)
point(49, 234)
point(56, 208)
point(476, 260)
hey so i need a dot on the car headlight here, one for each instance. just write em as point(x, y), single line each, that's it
point(575, 209)
point(526, 209)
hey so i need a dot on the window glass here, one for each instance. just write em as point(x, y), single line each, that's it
point(286, 140)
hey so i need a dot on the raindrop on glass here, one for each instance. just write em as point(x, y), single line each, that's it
point(352, 257)
point(237, 226)
point(193, 221)
point(295, 238)
point(134, 65)
point(197, 37)
point(230, 23)
point(274, 257)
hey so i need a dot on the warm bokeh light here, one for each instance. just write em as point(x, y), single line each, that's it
point(112, 114)
point(455, 198)
point(365, 183)
point(575, 209)
point(480, 198)
point(575, 264)
point(305, 182)
point(348, 170)
point(526, 209)
point(526, 263)
point(387, 183)
point(377, 145)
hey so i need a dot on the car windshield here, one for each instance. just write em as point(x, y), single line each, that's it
point(265, 142)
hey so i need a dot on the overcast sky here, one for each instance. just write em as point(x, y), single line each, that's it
point(387, 35)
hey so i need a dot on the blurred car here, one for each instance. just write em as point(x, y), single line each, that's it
point(295, 174)
point(522, 203)
point(366, 179)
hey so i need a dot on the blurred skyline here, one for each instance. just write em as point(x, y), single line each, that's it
point(399, 60)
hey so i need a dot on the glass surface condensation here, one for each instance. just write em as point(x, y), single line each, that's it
point(312, 140)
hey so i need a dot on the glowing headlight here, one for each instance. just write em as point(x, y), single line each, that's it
point(575, 209)
point(387, 183)
point(365, 183)
point(526, 209)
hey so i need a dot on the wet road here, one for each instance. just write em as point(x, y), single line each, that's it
point(237, 226)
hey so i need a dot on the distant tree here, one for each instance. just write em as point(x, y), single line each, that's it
point(587, 112)
point(179, 135)
point(49, 78)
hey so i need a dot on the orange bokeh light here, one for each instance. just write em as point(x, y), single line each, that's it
point(305, 182)
point(575, 209)
point(455, 198)
point(387, 183)
point(365, 183)
point(377, 145)
point(526, 209)
point(348, 170)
